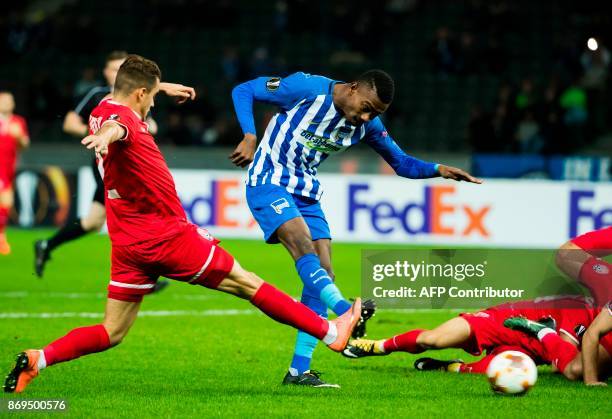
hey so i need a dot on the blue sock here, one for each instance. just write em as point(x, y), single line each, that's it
point(305, 344)
point(316, 278)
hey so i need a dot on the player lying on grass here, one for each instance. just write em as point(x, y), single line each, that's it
point(151, 236)
point(596, 358)
point(580, 258)
point(483, 331)
point(13, 137)
point(317, 117)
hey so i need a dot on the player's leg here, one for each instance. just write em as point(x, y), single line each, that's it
point(580, 259)
point(281, 220)
point(118, 318)
point(453, 333)
point(6, 203)
point(284, 309)
point(92, 222)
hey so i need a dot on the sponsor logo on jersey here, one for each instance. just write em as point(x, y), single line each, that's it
point(601, 269)
point(273, 84)
point(316, 142)
point(279, 205)
point(114, 117)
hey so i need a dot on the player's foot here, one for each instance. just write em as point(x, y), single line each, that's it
point(310, 378)
point(5, 248)
point(160, 285)
point(25, 370)
point(41, 256)
point(530, 327)
point(368, 308)
point(345, 325)
point(360, 348)
point(430, 364)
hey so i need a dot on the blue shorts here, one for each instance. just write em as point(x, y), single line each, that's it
point(272, 206)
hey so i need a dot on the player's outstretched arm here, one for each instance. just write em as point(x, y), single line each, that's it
point(179, 91)
point(405, 165)
point(106, 135)
point(20, 134)
point(590, 342)
point(449, 172)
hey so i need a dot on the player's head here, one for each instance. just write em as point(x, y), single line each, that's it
point(113, 62)
point(369, 96)
point(7, 102)
point(138, 81)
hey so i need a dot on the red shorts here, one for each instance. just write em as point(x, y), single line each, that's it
point(598, 242)
point(6, 178)
point(191, 256)
point(488, 333)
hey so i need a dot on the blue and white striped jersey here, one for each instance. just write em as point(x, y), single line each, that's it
point(307, 129)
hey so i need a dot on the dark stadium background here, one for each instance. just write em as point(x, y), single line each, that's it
point(472, 76)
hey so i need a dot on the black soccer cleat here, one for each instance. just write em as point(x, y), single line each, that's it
point(160, 285)
point(41, 256)
point(431, 364)
point(310, 378)
point(368, 308)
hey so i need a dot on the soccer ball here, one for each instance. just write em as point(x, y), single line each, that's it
point(512, 372)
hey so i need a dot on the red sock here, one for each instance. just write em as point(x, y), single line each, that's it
point(78, 342)
point(559, 352)
point(284, 309)
point(477, 367)
point(596, 275)
point(4, 214)
point(405, 343)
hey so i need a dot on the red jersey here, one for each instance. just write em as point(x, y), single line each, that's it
point(8, 143)
point(141, 199)
point(573, 314)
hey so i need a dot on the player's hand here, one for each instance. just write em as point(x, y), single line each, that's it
point(449, 172)
point(15, 130)
point(596, 384)
point(243, 154)
point(98, 143)
point(180, 92)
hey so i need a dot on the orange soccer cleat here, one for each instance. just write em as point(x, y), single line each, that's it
point(345, 325)
point(5, 249)
point(26, 369)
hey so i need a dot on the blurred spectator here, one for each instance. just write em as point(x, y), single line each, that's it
point(468, 56)
point(525, 98)
point(573, 101)
point(231, 65)
point(528, 136)
point(481, 133)
point(443, 52)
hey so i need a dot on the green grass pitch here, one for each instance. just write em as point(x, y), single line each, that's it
point(185, 360)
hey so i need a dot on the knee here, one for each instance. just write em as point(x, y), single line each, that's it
point(573, 371)
point(93, 222)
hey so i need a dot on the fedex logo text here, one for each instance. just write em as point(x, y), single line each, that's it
point(386, 217)
point(581, 209)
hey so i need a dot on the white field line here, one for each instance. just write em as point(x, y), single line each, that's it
point(176, 313)
point(90, 295)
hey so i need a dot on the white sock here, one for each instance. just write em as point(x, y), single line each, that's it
point(42, 361)
point(332, 334)
point(545, 332)
point(293, 372)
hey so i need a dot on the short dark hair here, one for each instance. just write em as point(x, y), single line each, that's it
point(381, 82)
point(116, 55)
point(136, 72)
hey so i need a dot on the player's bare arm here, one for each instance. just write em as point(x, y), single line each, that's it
point(74, 125)
point(243, 155)
point(17, 132)
point(449, 172)
point(179, 91)
point(108, 134)
point(600, 326)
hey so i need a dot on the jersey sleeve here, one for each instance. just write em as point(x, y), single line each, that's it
point(119, 115)
point(378, 138)
point(282, 92)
